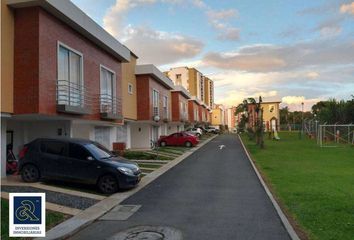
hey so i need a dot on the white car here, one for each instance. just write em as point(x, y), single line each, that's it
point(195, 131)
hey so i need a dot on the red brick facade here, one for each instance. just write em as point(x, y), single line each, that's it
point(145, 85)
point(192, 105)
point(177, 99)
point(37, 35)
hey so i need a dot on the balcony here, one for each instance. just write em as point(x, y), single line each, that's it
point(72, 98)
point(165, 115)
point(110, 107)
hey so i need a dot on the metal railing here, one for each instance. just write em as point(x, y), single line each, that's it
point(155, 111)
point(109, 104)
point(69, 93)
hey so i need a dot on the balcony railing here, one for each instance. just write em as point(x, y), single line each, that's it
point(72, 98)
point(110, 107)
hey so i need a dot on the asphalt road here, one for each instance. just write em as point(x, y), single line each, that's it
point(213, 194)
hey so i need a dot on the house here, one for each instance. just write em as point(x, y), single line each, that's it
point(193, 111)
point(270, 115)
point(130, 102)
point(62, 74)
point(218, 115)
point(153, 106)
point(180, 97)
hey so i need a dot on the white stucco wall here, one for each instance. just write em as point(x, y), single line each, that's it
point(85, 131)
point(3, 147)
point(26, 131)
point(184, 75)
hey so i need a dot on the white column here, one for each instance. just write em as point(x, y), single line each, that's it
point(129, 145)
point(3, 147)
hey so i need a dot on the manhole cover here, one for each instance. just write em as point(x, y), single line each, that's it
point(148, 233)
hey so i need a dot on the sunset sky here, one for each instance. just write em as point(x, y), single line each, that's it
point(293, 51)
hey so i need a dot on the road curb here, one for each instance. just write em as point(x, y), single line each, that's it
point(89, 215)
point(293, 235)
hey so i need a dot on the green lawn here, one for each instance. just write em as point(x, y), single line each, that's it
point(140, 155)
point(52, 219)
point(147, 165)
point(316, 185)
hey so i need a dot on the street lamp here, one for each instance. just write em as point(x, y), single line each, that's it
point(302, 118)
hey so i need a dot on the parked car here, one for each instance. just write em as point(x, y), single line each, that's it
point(195, 131)
point(212, 130)
point(178, 139)
point(77, 160)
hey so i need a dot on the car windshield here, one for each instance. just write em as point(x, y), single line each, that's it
point(99, 151)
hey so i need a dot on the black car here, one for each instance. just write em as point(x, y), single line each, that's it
point(77, 160)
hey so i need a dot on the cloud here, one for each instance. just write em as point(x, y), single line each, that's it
point(294, 102)
point(222, 14)
point(269, 58)
point(218, 20)
point(159, 47)
point(313, 75)
point(152, 46)
point(347, 8)
point(330, 27)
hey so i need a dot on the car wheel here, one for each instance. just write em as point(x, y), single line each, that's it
point(198, 135)
point(30, 173)
point(108, 184)
point(163, 144)
point(188, 144)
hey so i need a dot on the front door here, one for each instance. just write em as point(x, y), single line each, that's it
point(273, 124)
point(102, 136)
point(155, 133)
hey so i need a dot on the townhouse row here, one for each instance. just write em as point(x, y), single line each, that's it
point(64, 75)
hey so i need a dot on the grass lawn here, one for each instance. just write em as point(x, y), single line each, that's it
point(147, 165)
point(140, 155)
point(315, 185)
point(52, 219)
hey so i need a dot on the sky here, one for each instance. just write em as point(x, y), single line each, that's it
point(286, 50)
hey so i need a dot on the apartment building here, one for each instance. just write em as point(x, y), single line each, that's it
point(199, 86)
point(231, 118)
point(62, 74)
point(153, 106)
point(180, 97)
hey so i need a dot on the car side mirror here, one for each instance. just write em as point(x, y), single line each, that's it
point(90, 158)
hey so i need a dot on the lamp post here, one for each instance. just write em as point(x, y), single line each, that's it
point(302, 119)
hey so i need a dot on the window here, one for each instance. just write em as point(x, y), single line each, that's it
point(70, 77)
point(78, 152)
point(155, 102)
point(130, 88)
point(53, 147)
point(179, 79)
point(165, 106)
point(108, 91)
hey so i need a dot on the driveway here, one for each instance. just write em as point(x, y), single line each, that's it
point(213, 194)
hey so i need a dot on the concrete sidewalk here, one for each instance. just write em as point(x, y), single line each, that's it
point(213, 194)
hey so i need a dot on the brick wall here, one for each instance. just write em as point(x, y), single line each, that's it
point(36, 45)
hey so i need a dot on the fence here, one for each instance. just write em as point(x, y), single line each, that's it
point(337, 135)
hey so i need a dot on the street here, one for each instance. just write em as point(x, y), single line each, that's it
point(213, 194)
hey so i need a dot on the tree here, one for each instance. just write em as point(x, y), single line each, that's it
point(243, 108)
